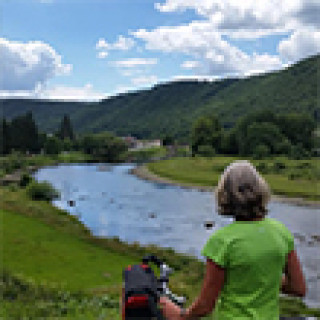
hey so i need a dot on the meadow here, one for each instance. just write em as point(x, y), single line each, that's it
point(286, 177)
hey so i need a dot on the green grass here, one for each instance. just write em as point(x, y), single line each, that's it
point(146, 154)
point(46, 254)
point(18, 161)
point(292, 178)
point(56, 268)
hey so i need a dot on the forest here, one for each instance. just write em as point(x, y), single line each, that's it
point(169, 109)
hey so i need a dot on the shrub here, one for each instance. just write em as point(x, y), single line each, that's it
point(279, 166)
point(261, 151)
point(25, 179)
point(206, 151)
point(262, 167)
point(298, 153)
point(42, 191)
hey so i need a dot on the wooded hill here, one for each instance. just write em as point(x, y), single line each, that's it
point(171, 108)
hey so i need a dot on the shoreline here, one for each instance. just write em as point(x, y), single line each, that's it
point(142, 172)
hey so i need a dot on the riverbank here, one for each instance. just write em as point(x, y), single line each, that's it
point(206, 177)
point(68, 272)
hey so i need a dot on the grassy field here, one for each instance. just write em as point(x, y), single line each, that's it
point(46, 250)
point(292, 178)
point(52, 267)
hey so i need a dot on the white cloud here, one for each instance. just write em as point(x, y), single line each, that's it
point(66, 93)
point(121, 44)
point(257, 17)
point(207, 41)
point(300, 44)
point(190, 64)
point(144, 80)
point(59, 92)
point(102, 54)
point(215, 55)
point(26, 66)
point(135, 62)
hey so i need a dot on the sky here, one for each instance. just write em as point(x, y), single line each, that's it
point(87, 50)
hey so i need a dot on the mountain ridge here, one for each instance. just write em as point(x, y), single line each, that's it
point(170, 108)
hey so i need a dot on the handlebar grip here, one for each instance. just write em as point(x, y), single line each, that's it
point(179, 300)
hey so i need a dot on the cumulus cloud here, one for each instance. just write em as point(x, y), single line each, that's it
point(27, 66)
point(214, 55)
point(208, 41)
point(250, 18)
point(300, 44)
point(121, 44)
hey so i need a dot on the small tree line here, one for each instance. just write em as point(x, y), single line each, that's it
point(258, 134)
point(21, 134)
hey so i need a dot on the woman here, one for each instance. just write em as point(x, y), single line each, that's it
point(249, 260)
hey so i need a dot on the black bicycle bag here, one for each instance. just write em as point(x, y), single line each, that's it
point(140, 293)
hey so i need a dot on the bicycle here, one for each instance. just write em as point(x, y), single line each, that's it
point(142, 290)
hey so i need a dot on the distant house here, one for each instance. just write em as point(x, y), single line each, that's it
point(135, 144)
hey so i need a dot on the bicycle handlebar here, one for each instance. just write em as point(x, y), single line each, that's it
point(165, 271)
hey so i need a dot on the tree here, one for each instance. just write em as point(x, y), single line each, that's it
point(52, 145)
point(104, 146)
point(263, 134)
point(4, 137)
point(24, 134)
point(229, 143)
point(65, 131)
point(298, 128)
point(206, 131)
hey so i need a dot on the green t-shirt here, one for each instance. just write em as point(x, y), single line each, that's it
point(253, 254)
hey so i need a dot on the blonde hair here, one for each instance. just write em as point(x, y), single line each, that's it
point(242, 192)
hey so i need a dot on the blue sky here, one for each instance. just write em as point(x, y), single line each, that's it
point(90, 49)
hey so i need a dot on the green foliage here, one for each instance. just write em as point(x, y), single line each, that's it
point(52, 145)
point(298, 152)
point(25, 179)
point(24, 299)
point(171, 108)
point(206, 135)
point(262, 130)
point(261, 151)
point(23, 134)
point(65, 131)
point(206, 151)
point(104, 146)
point(42, 191)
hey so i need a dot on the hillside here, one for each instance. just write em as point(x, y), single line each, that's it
point(171, 108)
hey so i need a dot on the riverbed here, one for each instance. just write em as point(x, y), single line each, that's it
point(114, 203)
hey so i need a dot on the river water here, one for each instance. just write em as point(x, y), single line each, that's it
point(114, 203)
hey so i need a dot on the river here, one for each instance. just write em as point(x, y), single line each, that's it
point(114, 203)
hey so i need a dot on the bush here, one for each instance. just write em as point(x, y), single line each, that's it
point(206, 151)
point(279, 166)
point(261, 151)
point(42, 191)
point(262, 167)
point(25, 179)
point(298, 153)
